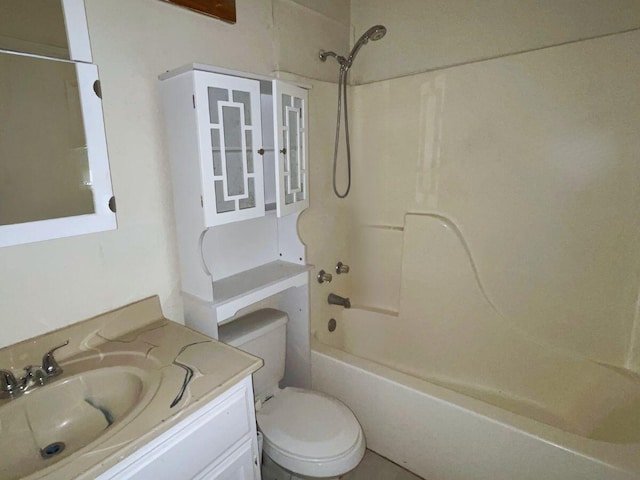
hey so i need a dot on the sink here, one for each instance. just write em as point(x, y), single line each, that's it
point(74, 412)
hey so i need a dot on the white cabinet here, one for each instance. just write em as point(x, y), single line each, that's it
point(238, 466)
point(239, 163)
point(217, 442)
point(247, 137)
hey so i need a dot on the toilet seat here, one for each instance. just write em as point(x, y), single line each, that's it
point(310, 433)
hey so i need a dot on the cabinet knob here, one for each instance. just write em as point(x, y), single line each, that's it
point(283, 151)
point(261, 151)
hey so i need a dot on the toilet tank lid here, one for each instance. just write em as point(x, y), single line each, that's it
point(251, 326)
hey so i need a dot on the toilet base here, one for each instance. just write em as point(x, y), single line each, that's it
point(272, 471)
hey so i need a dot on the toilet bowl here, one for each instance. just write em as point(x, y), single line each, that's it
point(306, 434)
point(310, 434)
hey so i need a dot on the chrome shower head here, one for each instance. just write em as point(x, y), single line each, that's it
point(374, 33)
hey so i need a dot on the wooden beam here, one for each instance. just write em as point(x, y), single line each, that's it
point(222, 9)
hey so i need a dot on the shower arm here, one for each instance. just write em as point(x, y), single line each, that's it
point(344, 63)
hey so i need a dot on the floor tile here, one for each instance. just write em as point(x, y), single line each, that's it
point(375, 467)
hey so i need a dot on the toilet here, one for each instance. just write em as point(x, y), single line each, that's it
point(306, 434)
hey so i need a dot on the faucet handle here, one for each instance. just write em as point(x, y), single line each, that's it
point(342, 268)
point(324, 277)
point(8, 383)
point(34, 374)
point(49, 364)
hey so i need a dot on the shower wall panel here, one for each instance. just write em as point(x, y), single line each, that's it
point(535, 157)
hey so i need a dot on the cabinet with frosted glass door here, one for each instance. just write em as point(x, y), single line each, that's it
point(290, 118)
point(237, 144)
point(252, 145)
point(229, 137)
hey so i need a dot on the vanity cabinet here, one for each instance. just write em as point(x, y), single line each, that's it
point(217, 442)
point(241, 141)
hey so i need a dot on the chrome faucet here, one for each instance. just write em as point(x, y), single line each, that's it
point(334, 299)
point(35, 375)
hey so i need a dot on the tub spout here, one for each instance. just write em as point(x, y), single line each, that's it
point(334, 299)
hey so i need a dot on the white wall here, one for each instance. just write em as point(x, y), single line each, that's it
point(429, 34)
point(51, 284)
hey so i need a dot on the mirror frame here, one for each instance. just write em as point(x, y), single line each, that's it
point(75, 18)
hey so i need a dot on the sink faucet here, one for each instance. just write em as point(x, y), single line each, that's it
point(35, 375)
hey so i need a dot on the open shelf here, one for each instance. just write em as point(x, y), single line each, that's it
point(243, 289)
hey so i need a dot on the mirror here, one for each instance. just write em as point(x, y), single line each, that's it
point(51, 28)
point(35, 26)
point(54, 169)
point(42, 100)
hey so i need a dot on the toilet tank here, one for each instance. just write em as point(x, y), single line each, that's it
point(261, 333)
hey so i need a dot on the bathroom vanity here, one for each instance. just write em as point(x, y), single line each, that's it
point(138, 397)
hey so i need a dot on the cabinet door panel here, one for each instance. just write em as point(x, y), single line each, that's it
point(189, 450)
point(290, 118)
point(230, 133)
point(240, 465)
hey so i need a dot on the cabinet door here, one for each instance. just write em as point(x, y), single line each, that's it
point(230, 133)
point(240, 465)
point(290, 120)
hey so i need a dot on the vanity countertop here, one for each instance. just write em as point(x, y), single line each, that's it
point(188, 370)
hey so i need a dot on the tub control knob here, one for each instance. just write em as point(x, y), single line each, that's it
point(324, 277)
point(342, 268)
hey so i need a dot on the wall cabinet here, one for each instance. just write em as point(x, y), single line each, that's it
point(247, 139)
point(239, 160)
point(217, 442)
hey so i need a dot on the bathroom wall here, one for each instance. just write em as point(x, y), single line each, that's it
point(51, 284)
point(534, 156)
point(430, 34)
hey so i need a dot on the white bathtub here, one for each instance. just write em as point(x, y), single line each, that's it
point(443, 430)
point(453, 390)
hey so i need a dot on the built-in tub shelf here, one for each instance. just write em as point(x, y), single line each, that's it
point(246, 288)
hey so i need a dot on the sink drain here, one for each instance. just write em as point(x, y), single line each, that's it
point(52, 450)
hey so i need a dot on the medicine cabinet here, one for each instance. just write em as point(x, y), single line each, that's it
point(54, 175)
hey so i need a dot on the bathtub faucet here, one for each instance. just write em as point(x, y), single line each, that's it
point(334, 299)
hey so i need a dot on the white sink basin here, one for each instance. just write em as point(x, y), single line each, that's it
point(71, 413)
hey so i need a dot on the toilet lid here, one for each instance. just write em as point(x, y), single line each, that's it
point(308, 424)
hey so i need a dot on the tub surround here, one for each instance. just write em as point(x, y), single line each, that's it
point(471, 384)
point(186, 371)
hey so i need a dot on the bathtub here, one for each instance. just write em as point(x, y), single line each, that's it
point(452, 389)
point(441, 429)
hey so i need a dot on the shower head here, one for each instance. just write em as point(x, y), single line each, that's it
point(374, 33)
